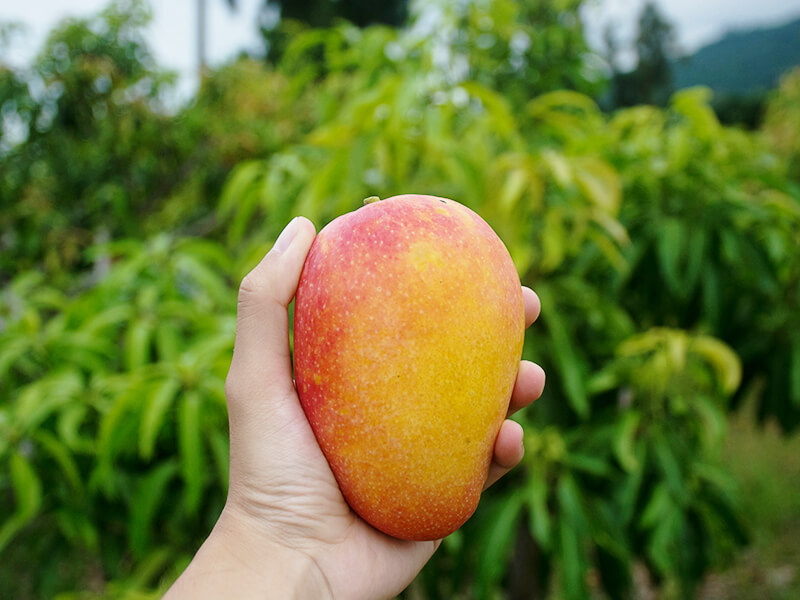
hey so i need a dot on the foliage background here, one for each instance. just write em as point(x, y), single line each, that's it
point(665, 248)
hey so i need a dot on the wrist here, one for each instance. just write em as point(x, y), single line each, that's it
point(235, 562)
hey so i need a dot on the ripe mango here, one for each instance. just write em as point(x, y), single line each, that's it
point(408, 331)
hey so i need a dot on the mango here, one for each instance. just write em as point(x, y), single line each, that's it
point(408, 332)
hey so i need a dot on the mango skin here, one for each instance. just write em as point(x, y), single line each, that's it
point(408, 331)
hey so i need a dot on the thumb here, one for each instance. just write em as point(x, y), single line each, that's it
point(261, 359)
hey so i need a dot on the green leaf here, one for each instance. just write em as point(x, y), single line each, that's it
point(155, 408)
point(78, 528)
point(559, 167)
point(105, 319)
point(696, 258)
point(599, 182)
point(168, 340)
point(608, 530)
point(137, 344)
point(569, 365)
point(589, 464)
point(712, 302)
point(502, 117)
point(208, 280)
point(580, 103)
point(220, 450)
point(61, 454)
point(240, 197)
point(625, 440)
point(722, 359)
point(554, 239)
point(40, 400)
point(92, 353)
point(70, 420)
point(627, 494)
point(147, 498)
point(609, 249)
point(498, 544)
point(28, 495)
point(207, 251)
point(148, 570)
point(656, 508)
point(573, 562)
point(191, 450)
point(794, 373)
point(695, 104)
point(712, 420)
point(512, 190)
point(571, 503)
point(454, 542)
point(671, 468)
point(11, 350)
point(724, 506)
point(112, 423)
point(663, 544)
point(539, 523)
point(670, 243)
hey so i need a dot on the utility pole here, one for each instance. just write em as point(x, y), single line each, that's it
point(201, 38)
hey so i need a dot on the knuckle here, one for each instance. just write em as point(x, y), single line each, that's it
point(251, 286)
point(256, 288)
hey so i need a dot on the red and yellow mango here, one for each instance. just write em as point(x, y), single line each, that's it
point(408, 331)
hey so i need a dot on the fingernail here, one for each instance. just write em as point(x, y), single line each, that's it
point(286, 236)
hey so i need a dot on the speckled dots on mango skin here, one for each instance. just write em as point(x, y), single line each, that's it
point(409, 326)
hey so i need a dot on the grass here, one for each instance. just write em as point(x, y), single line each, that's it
point(766, 465)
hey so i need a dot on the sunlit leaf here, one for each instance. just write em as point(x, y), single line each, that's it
point(723, 360)
point(39, 400)
point(599, 182)
point(239, 196)
point(137, 344)
point(168, 339)
point(502, 119)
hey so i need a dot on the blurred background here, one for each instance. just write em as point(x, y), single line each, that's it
point(641, 161)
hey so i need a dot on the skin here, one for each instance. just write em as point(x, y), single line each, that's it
point(286, 531)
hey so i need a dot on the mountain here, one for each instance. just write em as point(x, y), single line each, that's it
point(742, 63)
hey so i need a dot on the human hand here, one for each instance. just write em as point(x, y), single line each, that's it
point(286, 530)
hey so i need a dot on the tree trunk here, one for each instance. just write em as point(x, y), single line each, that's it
point(201, 38)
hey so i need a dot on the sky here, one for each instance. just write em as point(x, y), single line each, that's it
point(172, 32)
point(697, 22)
